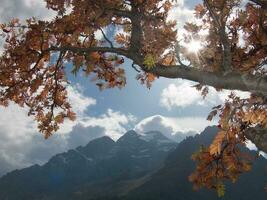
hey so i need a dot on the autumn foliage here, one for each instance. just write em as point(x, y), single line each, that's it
point(233, 56)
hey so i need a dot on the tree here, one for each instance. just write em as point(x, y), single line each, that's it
point(233, 56)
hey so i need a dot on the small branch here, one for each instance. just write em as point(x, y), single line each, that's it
point(134, 67)
point(213, 15)
point(57, 66)
point(120, 51)
point(226, 47)
point(106, 38)
point(177, 53)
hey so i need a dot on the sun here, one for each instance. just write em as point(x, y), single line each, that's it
point(194, 46)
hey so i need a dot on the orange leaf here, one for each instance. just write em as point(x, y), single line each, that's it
point(216, 146)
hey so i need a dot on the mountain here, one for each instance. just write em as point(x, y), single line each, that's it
point(171, 181)
point(146, 166)
point(180, 136)
point(101, 168)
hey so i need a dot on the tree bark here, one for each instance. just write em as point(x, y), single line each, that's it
point(262, 3)
point(231, 81)
point(257, 135)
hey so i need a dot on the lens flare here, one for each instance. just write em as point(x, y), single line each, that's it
point(194, 46)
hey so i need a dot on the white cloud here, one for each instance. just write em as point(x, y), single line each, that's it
point(14, 121)
point(21, 145)
point(24, 9)
point(80, 104)
point(181, 14)
point(80, 135)
point(155, 123)
point(20, 141)
point(15, 131)
point(113, 122)
point(172, 125)
point(78, 101)
point(183, 94)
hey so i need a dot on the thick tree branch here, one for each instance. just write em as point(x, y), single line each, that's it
point(262, 3)
point(231, 81)
point(258, 136)
point(122, 13)
point(136, 34)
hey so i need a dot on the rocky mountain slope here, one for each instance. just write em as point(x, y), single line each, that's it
point(171, 181)
point(136, 167)
point(101, 168)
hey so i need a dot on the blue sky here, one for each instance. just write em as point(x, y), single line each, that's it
point(170, 105)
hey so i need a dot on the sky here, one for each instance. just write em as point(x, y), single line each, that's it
point(171, 106)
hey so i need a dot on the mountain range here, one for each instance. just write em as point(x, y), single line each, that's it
point(135, 167)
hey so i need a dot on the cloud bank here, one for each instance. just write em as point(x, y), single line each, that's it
point(171, 125)
point(24, 9)
point(21, 145)
point(183, 94)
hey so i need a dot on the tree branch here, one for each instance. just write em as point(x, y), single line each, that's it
point(106, 38)
point(262, 3)
point(122, 13)
point(136, 34)
point(257, 135)
point(120, 51)
point(231, 81)
point(226, 47)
